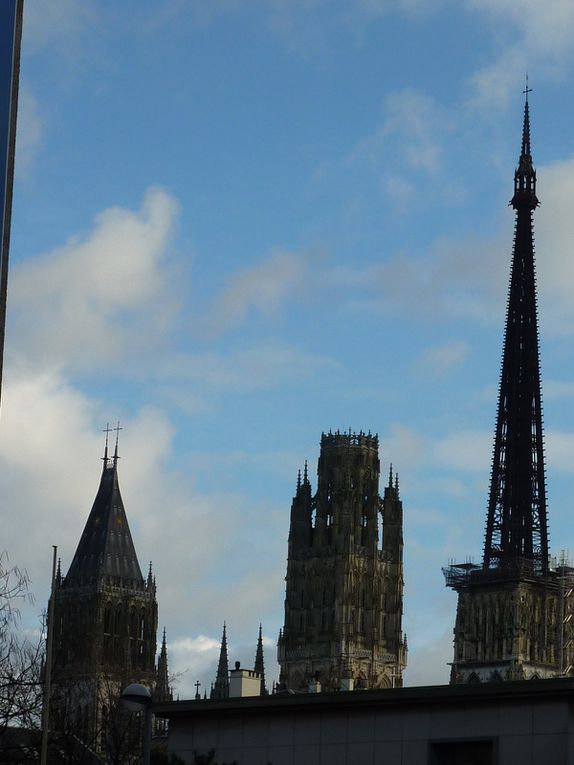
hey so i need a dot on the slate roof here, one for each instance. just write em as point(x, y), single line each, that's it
point(106, 550)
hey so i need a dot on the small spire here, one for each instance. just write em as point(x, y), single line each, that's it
point(259, 665)
point(305, 473)
point(150, 575)
point(526, 125)
point(221, 687)
point(298, 480)
point(391, 476)
point(397, 484)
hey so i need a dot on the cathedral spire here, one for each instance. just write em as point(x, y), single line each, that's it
point(516, 528)
point(259, 665)
point(221, 687)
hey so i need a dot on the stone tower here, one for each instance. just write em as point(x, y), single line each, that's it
point(511, 609)
point(344, 595)
point(105, 622)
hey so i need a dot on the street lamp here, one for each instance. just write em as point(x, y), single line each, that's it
point(137, 698)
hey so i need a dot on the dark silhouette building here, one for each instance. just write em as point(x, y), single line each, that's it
point(344, 593)
point(512, 609)
point(105, 621)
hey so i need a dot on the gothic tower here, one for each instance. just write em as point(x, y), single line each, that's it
point(509, 622)
point(343, 603)
point(105, 621)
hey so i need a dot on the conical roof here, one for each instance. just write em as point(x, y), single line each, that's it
point(106, 550)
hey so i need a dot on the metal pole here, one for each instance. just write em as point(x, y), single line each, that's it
point(48, 666)
point(146, 735)
point(561, 614)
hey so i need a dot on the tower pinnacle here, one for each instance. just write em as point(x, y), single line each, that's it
point(259, 665)
point(221, 688)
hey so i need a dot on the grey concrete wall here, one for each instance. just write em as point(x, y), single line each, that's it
point(526, 733)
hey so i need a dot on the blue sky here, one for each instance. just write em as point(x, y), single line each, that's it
point(238, 224)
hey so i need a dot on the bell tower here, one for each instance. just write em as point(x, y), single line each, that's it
point(343, 603)
point(105, 621)
point(510, 614)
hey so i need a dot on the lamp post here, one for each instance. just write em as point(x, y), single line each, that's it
point(137, 698)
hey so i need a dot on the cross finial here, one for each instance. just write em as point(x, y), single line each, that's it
point(197, 693)
point(527, 90)
point(107, 430)
point(117, 429)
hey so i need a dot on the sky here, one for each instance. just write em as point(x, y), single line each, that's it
point(238, 224)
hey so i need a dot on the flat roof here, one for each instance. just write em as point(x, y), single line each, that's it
point(480, 693)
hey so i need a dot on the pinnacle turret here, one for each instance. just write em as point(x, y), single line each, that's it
point(259, 665)
point(221, 687)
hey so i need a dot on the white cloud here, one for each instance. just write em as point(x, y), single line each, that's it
point(262, 288)
point(404, 446)
point(442, 359)
point(554, 231)
point(467, 278)
point(533, 36)
point(559, 447)
point(463, 278)
point(545, 26)
point(408, 131)
point(465, 450)
point(57, 24)
point(429, 664)
point(257, 368)
point(557, 389)
point(96, 299)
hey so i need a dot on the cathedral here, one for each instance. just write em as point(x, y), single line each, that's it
point(105, 623)
point(344, 593)
point(513, 610)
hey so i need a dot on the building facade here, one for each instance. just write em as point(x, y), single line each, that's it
point(502, 724)
point(512, 612)
point(344, 584)
point(105, 624)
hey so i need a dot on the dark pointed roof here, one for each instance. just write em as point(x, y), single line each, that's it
point(106, 550)
point(516, 529)
point(259, 663)
point(220, 689)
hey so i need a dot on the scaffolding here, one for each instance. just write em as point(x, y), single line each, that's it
point(565, 574)
point(457, 575)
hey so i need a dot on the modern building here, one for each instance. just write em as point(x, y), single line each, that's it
point(490, 724)
point(344, 592)
point(513, 609)
point(105, 623)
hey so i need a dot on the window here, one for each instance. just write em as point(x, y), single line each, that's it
point(462, 753)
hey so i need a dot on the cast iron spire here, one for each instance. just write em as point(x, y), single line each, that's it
point(516, 528)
